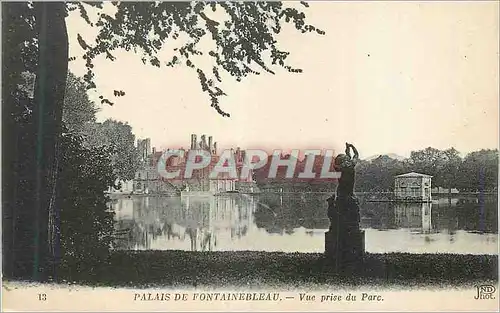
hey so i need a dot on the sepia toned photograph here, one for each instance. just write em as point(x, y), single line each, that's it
point(250, 156)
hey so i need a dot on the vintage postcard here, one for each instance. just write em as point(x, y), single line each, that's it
point(250, 156)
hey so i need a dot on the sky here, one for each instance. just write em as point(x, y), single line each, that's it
point(389, 77)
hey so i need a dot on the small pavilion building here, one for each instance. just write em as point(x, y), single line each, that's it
point(413, 187)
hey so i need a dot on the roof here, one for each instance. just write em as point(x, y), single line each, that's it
point(413, 174)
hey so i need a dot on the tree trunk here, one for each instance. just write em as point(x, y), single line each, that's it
point(10, 65)
point(49, 98)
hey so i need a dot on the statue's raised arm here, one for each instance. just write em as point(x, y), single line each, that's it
point(348, 148)
point(356, 154)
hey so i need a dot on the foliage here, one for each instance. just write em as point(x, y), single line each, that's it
point(242, 36)
point(449, 171)
point(119, 138)
point(79, 116)
point(78, 111)
point(427, 161)
point(86, 223)
point(477, 171)
point(20, 42)
point(378, 175)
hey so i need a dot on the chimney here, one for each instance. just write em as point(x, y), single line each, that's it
point(154, 150)
point(203, 142)
point(148, 146)
point(193, 141)
point(215, 147)
point(210, 144)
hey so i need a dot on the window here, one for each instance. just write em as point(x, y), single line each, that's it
point(403, 191)
point(414, 192)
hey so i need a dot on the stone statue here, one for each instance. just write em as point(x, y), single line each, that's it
point(344, 241)
point(345, 164)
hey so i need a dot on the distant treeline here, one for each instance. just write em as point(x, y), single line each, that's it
point(477, 171)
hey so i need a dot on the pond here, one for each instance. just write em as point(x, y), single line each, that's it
point(291, 222)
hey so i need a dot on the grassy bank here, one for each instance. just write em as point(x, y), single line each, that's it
point(260, 269)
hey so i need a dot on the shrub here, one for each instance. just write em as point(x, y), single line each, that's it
point(86, 221)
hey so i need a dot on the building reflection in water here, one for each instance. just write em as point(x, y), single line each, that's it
point(196, 223)
point(415, 216)
point(211, 219)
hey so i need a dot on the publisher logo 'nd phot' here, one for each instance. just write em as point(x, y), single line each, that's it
point(485, 292)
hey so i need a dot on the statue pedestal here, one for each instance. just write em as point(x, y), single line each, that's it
point(344, 242)
point(347, 247)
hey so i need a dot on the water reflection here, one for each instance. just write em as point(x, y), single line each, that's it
point(187, 223)
point(297, 222)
